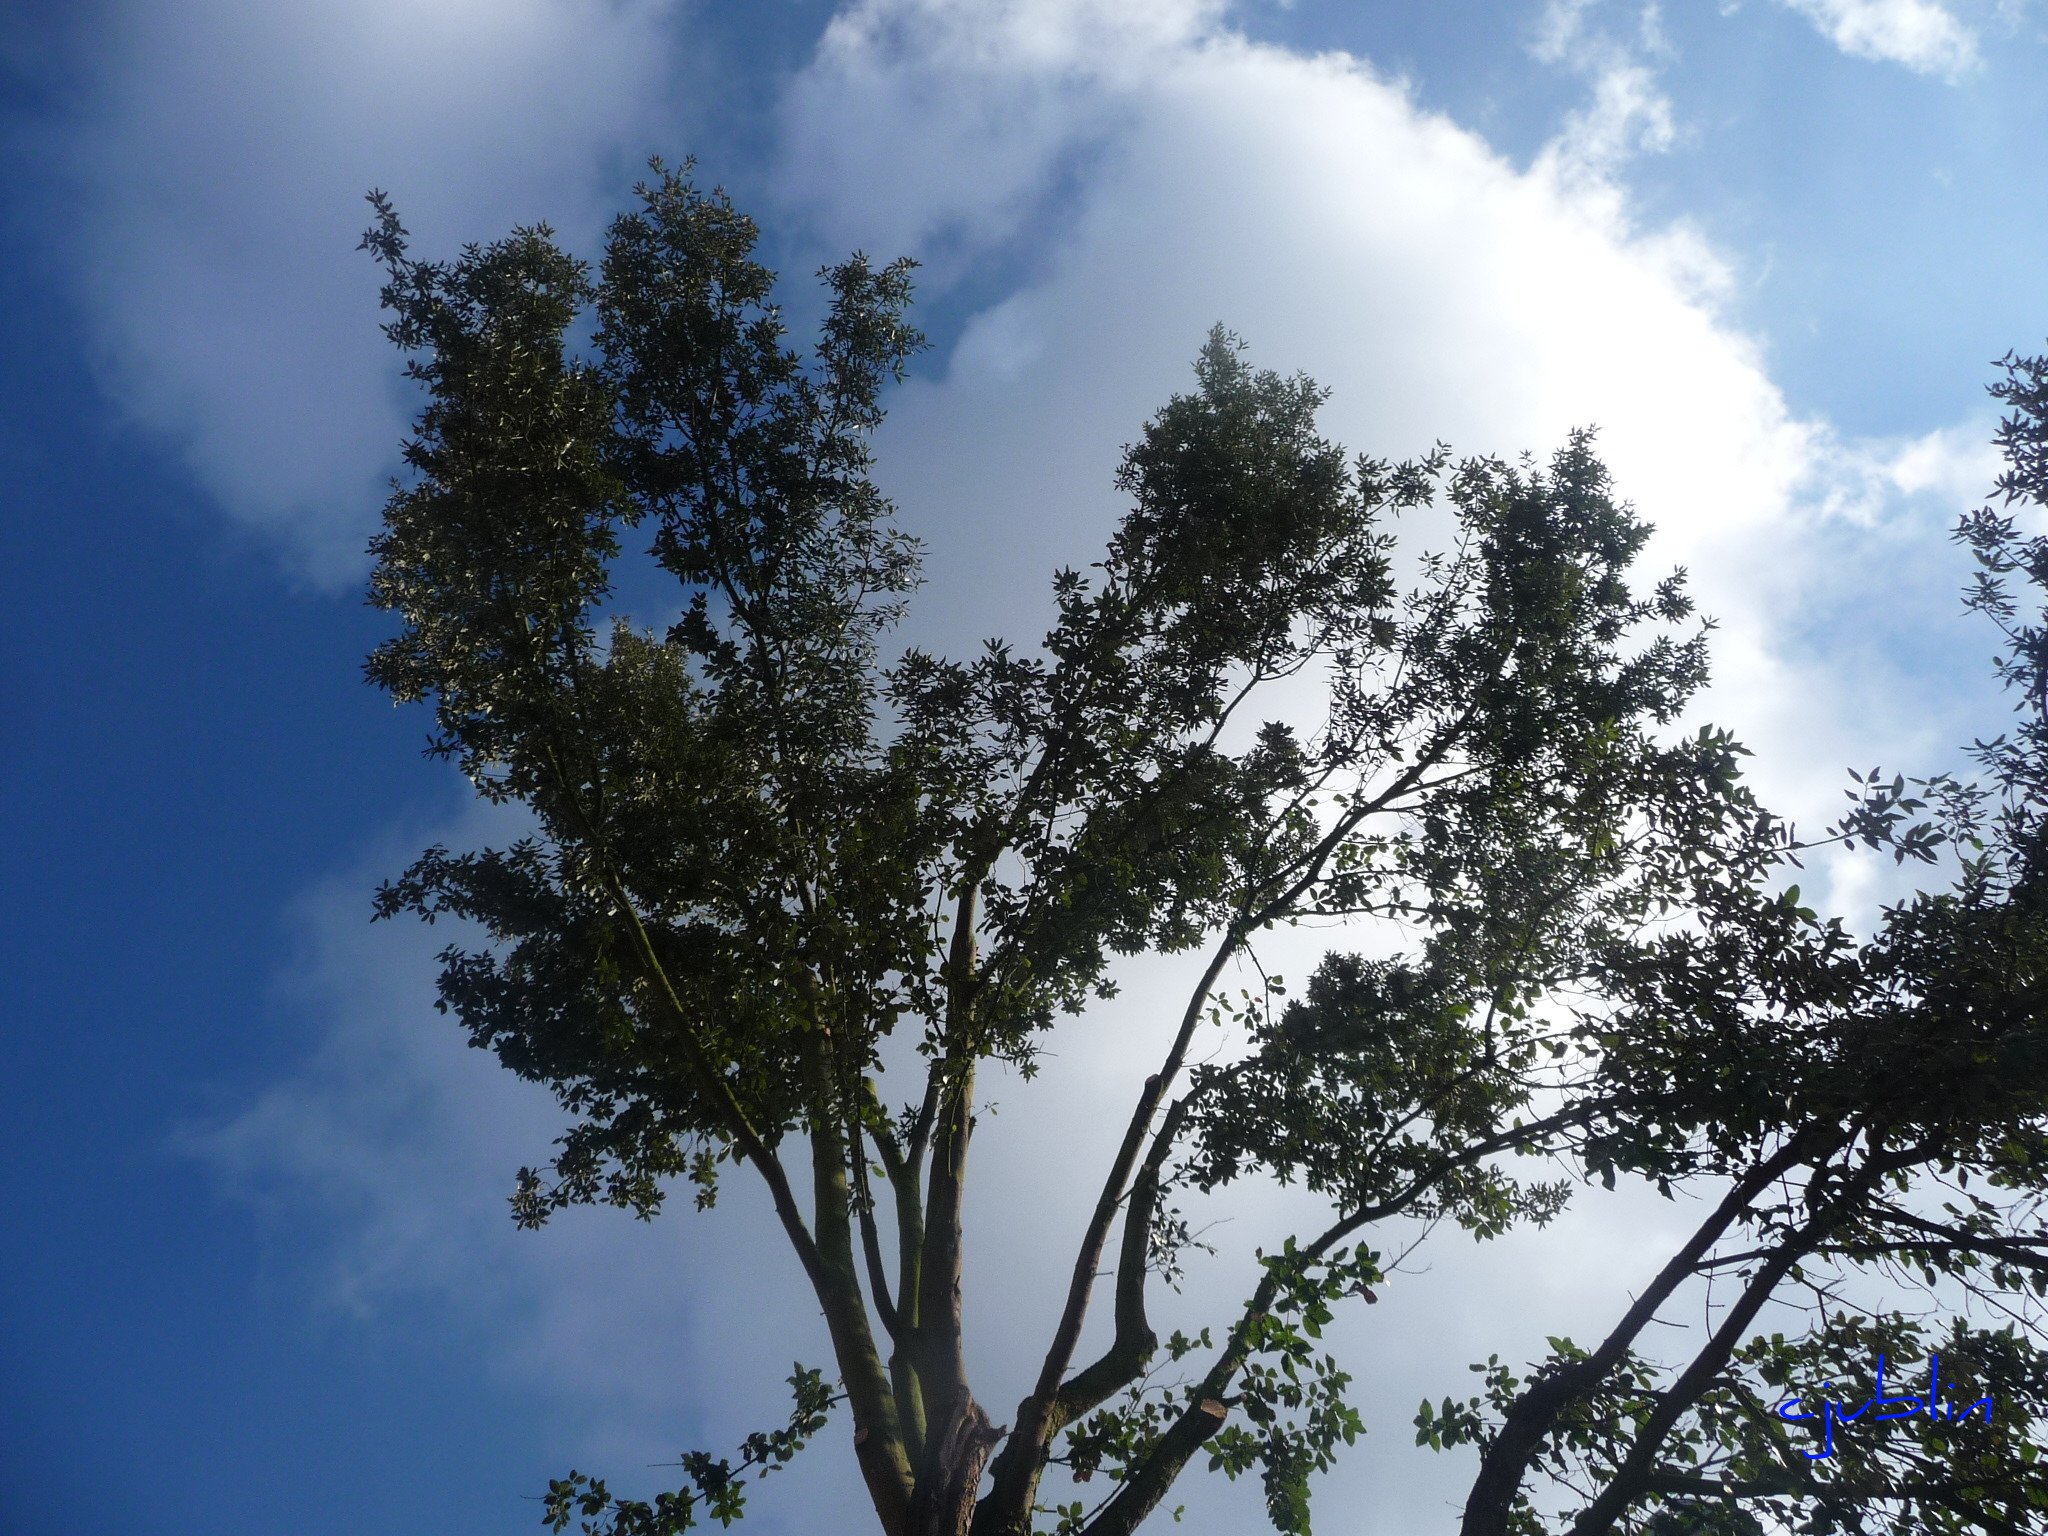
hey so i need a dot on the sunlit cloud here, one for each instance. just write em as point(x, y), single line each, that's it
point(1441, 291)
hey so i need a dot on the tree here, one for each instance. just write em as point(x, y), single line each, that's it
point(772, 873)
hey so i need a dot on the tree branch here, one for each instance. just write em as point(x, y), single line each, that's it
point(1672, 1404)
point(1017, 1468)
point(1505, 1462)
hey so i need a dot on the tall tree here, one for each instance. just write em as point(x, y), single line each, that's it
point(772, 871)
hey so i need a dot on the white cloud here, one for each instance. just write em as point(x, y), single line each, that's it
point(1924, 35)
point(1560, 27)
point(931, 90)
point(215, 184)
point(1958, 464)
point(1873, 481)
point(1628, 113)
point(1310, 204)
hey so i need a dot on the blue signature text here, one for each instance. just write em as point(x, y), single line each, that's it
point(1833, 1413)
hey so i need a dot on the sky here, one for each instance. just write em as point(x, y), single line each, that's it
point(259, 1278)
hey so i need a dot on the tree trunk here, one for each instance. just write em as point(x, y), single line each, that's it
point(950, 1479)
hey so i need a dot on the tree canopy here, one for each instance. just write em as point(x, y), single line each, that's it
point(788, 892)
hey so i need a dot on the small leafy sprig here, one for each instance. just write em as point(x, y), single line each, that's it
point(716, 1485)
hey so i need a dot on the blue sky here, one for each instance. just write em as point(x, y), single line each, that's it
point(259, 1281)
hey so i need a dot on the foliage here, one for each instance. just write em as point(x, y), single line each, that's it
point(773, 867)
point(716, 1485)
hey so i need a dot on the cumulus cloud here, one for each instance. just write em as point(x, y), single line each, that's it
point(1438, 289)
point(1924, 35)
point(214, 183)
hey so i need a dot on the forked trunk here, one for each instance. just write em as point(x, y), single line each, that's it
point(950, 1479)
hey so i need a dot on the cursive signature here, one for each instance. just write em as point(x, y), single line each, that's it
point(1833, 1413)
